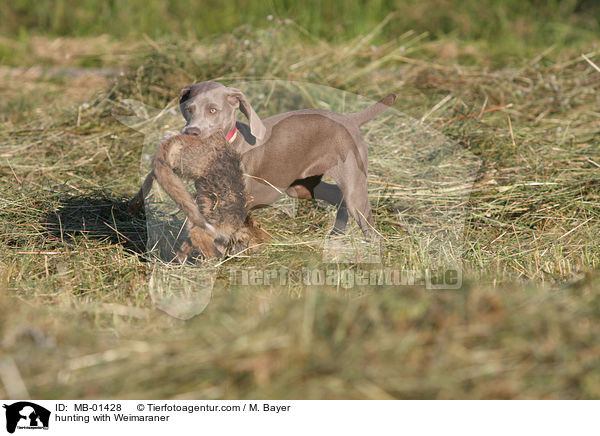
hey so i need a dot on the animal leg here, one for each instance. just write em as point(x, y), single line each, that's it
point(313, 187)
point(332, 194)
point(136, 203)
point(201, 240)
point(353, 185)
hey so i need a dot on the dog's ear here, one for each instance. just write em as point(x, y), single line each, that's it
point(237, 97)
point(184, 94)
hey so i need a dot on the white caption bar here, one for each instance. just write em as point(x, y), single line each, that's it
point(298, 417)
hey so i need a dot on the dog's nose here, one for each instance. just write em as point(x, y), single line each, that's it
point(194, 131)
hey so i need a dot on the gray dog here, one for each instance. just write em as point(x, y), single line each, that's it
point(286, 153)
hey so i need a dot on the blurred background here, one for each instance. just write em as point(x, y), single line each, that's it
point(508, 23)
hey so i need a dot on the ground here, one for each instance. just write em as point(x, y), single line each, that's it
point(76, 317)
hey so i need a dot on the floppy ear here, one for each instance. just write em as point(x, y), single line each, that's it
point(184, 94)
point(237, 97)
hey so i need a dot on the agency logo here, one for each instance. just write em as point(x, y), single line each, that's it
point(26, 415)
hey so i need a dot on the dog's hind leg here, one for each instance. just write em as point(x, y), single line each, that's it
point(357, 202)
point(355, 195)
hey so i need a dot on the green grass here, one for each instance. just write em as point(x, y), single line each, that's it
point(506, 27)
point(74, 273)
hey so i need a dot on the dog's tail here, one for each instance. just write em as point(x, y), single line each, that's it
point(172, 184)
point(369, 113)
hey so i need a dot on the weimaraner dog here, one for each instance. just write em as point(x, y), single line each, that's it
point(286, 153)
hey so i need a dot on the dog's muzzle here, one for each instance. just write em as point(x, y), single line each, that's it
point(194, 131)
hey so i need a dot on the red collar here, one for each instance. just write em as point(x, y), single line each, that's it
point(231, 135)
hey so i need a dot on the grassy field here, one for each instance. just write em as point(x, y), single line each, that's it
point(508, 87)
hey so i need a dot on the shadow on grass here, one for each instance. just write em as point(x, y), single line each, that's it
point(96, 215)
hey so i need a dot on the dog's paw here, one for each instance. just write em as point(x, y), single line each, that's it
point(337, 232)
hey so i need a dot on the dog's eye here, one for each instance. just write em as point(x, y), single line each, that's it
point(212, 110)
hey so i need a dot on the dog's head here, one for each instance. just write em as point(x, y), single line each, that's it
point(209, 107)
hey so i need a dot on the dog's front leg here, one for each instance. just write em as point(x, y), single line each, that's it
point(332, 194)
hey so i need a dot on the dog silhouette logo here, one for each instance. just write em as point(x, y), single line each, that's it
point(26, 415)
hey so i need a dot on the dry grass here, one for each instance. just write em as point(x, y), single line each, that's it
point(74, 273)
